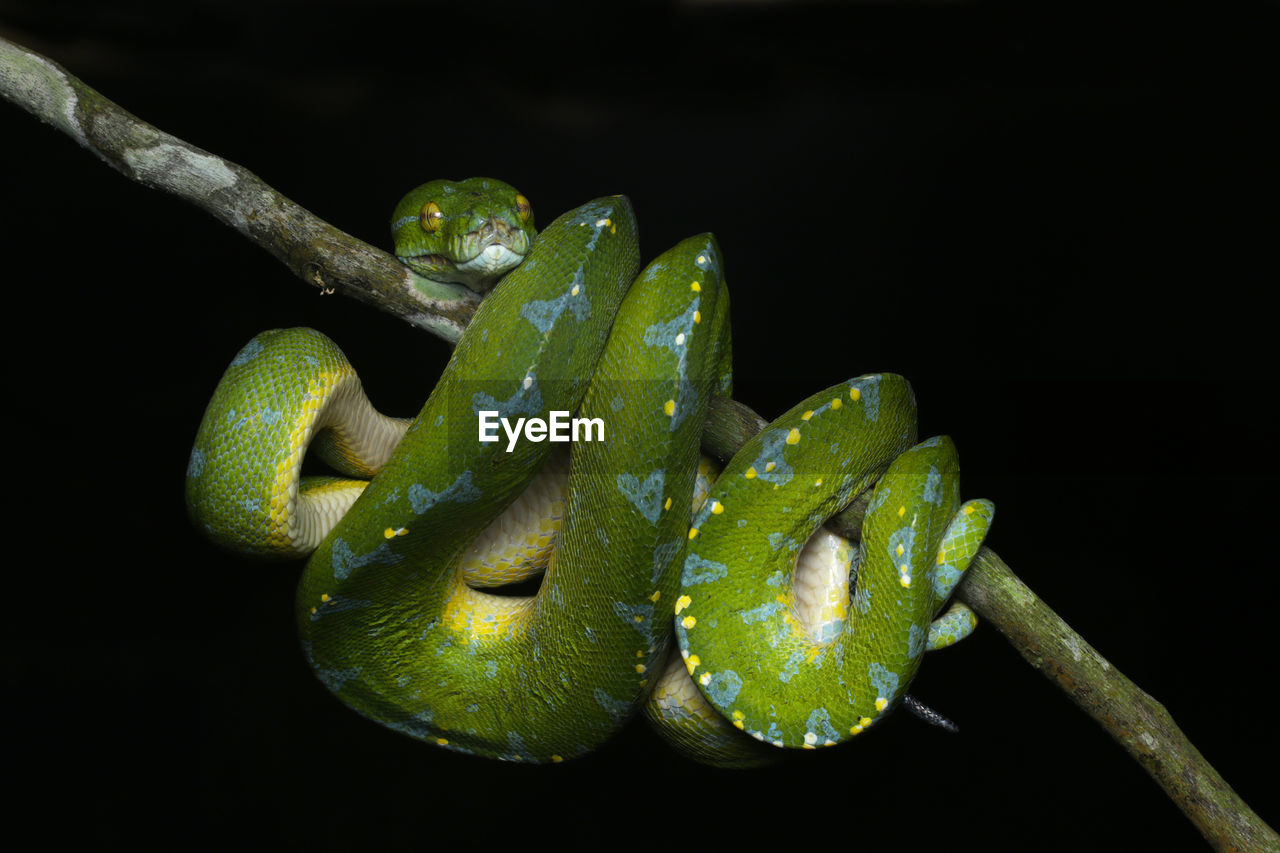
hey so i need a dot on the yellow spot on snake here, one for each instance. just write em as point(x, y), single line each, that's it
point(901, 550)
point(669, 407)
point(751, 473)
point(906, 580)
point(968, 510)
point(860, 725)
point(640, 668)
point(704, 679)
point(881, 704)
point(702, 259)
point(769, 467)
point(902, 510)
point(389, 532)
point(835, 403)
point(682, 602)
point(807, 415)
point(693, 532)
point(324, 596)
point(793, 437)
point(716, 507)
point(576, 289)
point(392, 532)
point(855, 394)
point(689, 621)
point(557, 759)
point(639, 619)
point(657, 593)
point(442, 741)
point(737, 718)
point(818, 482)
point(667, 505)
point(942, 558)
point(695, 287)
point(697, 316)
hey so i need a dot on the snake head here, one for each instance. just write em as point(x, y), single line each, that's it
point(470, 232)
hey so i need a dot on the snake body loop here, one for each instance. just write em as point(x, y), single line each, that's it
point(392, 606)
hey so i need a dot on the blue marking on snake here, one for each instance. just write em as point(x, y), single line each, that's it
point(724, 687)
point(344, 560)
point(646, 496)
point(699, 570)
point(250, 351)
point(462, 490)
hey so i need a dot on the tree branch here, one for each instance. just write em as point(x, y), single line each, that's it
point(319, 254)
point(327, 258)
point(1137, 721)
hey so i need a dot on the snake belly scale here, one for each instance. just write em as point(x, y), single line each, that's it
point(631, 536)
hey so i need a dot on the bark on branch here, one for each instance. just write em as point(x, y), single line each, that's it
point(325, 257)
point(318, 253)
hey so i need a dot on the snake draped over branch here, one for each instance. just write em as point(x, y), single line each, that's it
point(714, 600)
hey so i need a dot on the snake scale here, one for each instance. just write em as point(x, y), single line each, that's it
point(713, 600)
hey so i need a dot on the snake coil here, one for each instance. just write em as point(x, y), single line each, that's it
point(637, 539)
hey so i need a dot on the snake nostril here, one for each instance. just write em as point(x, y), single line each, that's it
point(494, 229)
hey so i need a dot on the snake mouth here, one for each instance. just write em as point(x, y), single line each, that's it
point(479, 272)
point(432, 261)
point(479, 258)
point(495, 259)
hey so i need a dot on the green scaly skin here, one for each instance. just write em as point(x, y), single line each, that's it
point(476, 216)
point(451, 665)
point(778, 682)
point(391, 627)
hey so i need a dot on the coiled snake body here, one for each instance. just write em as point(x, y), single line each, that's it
point(392, 608)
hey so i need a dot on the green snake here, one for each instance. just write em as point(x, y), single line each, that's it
point(718, 604)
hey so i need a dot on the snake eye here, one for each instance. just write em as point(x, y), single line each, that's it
point(431, 217)
point(523, 208)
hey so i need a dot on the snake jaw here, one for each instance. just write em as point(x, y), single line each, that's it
point(482, 256)
point(493, 261)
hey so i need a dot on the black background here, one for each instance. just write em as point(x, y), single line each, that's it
point(1060, 227)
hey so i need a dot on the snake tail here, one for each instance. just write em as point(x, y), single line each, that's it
point(772, 676)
